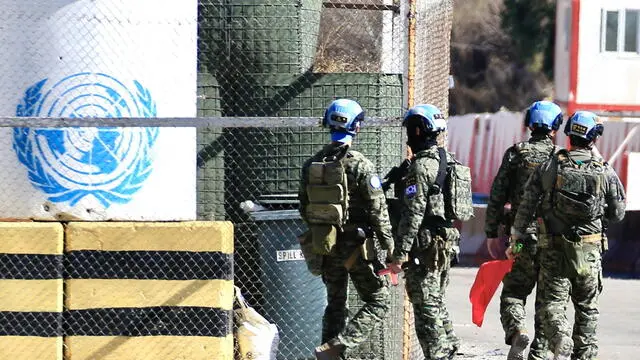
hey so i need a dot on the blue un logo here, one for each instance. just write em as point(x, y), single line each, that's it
point(69, 164)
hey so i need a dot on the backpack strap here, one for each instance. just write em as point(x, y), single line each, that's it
point(549, 181)
point(442, 169)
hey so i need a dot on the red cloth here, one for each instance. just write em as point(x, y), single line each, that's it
point(488, 278)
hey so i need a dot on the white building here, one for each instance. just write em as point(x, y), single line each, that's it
point(597, 56)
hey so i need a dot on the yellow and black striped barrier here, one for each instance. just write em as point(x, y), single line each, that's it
point(148, 290)
point(31, 290)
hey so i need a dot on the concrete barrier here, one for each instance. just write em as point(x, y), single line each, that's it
point(149, 290)
point(31, 290)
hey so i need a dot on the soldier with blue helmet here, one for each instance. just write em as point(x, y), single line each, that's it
point(425, 235)
point(578, 194)
point(343, 204)
point(542, 118)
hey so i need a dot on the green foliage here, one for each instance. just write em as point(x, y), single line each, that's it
point(531, 26)
point(501, 54)
point(489, 69)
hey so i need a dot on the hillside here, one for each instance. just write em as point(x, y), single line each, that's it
point(500, 54)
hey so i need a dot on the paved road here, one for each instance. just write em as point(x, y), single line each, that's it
point(619, 329)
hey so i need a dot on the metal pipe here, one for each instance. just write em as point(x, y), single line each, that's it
point(359, 6)
point(411, 71)
point(624, 143)
point(411, 93)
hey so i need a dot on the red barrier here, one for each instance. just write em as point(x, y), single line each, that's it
point(480, 141)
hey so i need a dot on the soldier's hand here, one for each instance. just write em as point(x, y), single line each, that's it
point(396, 267)
point(509, 253)
point(493, 244)
point(396, 263)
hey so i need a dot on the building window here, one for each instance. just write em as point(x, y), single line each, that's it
point(611, 31)
point(631, 30)
point(620, 30)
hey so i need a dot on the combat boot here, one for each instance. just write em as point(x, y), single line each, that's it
point(519, 343)
point(453, 351)
point(331, 350)
point(455, 346)
point(563, 349)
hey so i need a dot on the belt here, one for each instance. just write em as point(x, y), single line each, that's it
point(545, 240)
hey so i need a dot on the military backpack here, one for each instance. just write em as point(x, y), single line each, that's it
point(454, 180)
point(577, 192)
point(328, 197)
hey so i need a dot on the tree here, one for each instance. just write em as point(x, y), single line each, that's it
point(531, 26)
point(488, 68)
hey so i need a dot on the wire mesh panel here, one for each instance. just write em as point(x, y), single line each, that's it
point(176, 76)
point(264, 54)
point(262, 165)
point(433, 23)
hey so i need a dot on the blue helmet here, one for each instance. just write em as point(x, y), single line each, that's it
point(584, 124)
point(432, 119)
point(543, 114)
point(343, 117)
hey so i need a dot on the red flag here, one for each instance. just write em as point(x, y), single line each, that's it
point(488, 278)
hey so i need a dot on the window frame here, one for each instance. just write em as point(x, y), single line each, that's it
point(621, 32)
point(568, 24)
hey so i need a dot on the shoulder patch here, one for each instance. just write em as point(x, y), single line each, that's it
point(411, 188)
point(375, 182)
point(411, 191)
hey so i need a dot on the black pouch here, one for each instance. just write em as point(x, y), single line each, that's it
point(424, 239)
point(438, 252)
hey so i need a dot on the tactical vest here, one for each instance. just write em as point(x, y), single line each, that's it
point(577, 194)
point(328, 196)
point(530, 156)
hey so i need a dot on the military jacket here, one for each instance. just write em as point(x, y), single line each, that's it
point(508, 183)
point(420, 182)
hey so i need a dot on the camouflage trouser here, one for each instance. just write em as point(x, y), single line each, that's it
point(584, 292)
point(427, 291)
point(372, 289)
point(516, 287)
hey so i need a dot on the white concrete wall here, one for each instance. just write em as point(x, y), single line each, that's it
point(633, 178)
point(86, 58)
point(605, 77)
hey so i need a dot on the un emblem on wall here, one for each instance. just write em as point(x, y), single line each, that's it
point(69, 164)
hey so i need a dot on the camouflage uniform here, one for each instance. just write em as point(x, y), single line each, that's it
point(584, 289)
point(367, 209)
point(518, 284)
point(428, 240)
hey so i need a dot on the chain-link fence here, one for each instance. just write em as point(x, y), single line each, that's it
point(117, 283)
point(262, 165)
point(151, 66)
